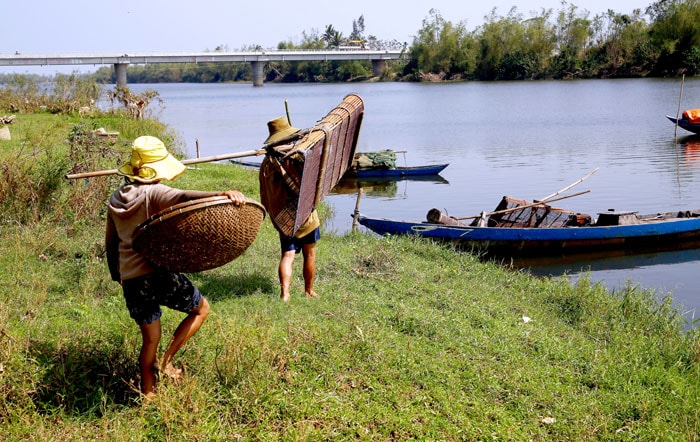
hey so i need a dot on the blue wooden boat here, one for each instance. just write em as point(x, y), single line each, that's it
point(376, 172)
point(685, 124)
point(398, 172)
point(541, 230)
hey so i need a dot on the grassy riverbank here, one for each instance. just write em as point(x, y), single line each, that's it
point(408, 340)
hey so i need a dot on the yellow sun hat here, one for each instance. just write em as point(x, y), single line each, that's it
point(279, 129)
point(151, 162)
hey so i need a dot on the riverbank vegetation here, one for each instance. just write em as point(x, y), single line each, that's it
point(409, 339)
point(660, 40)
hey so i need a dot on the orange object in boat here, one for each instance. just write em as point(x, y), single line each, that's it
point(692, 115)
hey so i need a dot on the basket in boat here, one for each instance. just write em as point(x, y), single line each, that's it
point(200, 234)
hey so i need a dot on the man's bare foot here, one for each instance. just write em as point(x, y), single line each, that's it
point(311, 294)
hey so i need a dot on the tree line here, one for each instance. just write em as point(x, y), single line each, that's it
point(661, 40)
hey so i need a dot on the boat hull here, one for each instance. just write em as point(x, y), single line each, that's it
point(398, 172)
point(375, 173)
point(685, 124)
point(676, 234)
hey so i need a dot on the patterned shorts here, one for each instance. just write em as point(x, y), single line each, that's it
point(145, 295)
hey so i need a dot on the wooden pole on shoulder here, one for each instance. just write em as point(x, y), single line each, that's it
point(248, 153)
point(281, 146)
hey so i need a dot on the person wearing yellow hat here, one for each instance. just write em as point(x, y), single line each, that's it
point(145, 286)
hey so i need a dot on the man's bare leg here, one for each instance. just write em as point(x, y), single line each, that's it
point(187, 328)
point(150, 334)
point(285, 274)
point(309, 251)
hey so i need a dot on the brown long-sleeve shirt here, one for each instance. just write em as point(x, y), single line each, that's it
point(129, 206)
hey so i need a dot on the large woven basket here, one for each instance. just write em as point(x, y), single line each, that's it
point(294, 180)
point(200, 234)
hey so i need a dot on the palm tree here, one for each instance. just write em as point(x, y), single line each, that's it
point(332, 37)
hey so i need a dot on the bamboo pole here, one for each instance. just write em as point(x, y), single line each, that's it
point(248, 153)
point(678, 112)
point(569, 186)
point(356, 213)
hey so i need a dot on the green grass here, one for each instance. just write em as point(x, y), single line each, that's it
point(409, 339)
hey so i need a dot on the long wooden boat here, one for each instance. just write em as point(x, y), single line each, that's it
point(539, 230)
point(685, 124)
point(398, 172)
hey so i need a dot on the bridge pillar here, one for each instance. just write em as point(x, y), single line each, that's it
point(257, 72)
point(120, 71)
point(378, 67)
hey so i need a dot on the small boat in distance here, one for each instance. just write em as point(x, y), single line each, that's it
point(690, 120)
point(382, 164)
point(398, 172)
point(249, 164)
point(519, 228)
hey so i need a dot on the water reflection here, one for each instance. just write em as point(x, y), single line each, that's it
point(618, 260)
point(668, 273)
point(380, 187)
point(691, 150)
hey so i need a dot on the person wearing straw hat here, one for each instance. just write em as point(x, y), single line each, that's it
point(146, 287)
point(279, 129)
point(305, 238)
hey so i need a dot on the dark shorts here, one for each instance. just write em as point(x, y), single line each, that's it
point(289, 244)
point(145, 295)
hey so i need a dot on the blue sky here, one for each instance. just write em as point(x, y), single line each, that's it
point(133, 26)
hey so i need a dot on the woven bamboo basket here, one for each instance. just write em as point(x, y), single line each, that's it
point(200, 234)
point(295, 178)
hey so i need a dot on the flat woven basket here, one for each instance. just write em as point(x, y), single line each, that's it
point(200, 234)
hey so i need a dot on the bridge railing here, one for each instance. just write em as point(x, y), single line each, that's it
point(199, 57)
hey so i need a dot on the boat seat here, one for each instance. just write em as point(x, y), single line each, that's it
point(688, 214)
point(613, 218)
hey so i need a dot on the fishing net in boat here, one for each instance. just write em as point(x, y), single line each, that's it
point(382, 159)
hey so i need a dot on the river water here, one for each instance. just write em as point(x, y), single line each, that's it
point(523, 139)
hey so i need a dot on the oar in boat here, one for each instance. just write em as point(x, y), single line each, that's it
point(569, 186)
point(541, 201)
point(526, 206)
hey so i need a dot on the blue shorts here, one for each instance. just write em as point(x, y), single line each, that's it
point(145, 294)
point(288, 244)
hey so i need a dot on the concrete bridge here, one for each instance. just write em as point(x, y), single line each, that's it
point(257, 59)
